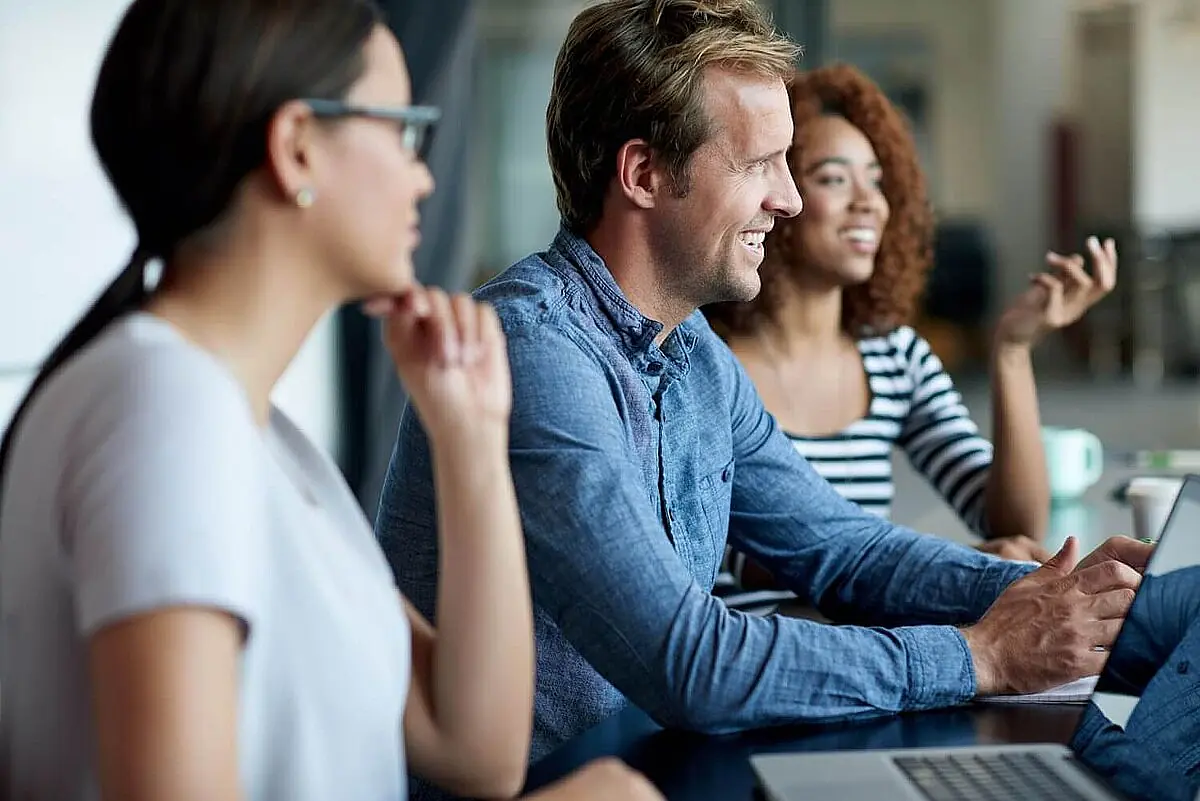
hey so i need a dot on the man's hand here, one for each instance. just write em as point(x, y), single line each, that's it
point(1053, 626)
point(1125, 550)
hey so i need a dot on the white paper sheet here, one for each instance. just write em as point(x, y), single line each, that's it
point(1074, 692)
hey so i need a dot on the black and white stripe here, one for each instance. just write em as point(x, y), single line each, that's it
point(913, 406)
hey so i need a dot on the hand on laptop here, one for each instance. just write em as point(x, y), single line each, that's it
point(1056, 624)
point(1125, 550)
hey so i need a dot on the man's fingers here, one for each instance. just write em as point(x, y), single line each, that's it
point(1111, 605)
point(1091, 663)
point(1105, 577)
point(1102, 634)
point(1134, 553)
point(1065, 560)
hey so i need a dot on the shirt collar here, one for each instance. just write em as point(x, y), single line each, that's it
point(632, 328)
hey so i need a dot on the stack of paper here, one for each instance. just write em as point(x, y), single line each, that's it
point(1073, 692)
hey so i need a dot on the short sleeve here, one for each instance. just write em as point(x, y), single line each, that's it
point(163, 492)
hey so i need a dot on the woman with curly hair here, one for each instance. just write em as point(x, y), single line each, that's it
point(827, 342)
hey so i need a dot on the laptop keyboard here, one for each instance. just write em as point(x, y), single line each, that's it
point(986, 777)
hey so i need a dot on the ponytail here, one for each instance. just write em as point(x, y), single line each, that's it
point(126, 293)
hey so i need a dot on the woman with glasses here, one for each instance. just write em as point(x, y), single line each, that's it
point(193, 604)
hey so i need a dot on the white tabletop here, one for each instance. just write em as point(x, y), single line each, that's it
point(1091, 519)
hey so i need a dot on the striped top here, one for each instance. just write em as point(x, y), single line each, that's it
point(914, 406)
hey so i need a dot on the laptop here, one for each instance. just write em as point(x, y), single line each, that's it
point(1001, 772)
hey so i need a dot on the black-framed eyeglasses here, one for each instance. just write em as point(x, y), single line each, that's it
point(416, 122)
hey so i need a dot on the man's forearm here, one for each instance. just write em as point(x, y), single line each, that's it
point(904, 578)
point(807, 672)
point(1135, 768)
point(703, 668)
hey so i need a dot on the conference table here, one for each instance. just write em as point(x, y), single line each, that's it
point(1091, 518)
point(691, 767)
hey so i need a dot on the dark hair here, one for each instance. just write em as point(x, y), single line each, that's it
point(633, 69)
point(179, 118)
point(889, 298)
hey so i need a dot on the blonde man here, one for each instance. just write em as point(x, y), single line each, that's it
point(639, 447)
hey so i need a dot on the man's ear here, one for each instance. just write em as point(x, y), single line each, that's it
point(641, 178)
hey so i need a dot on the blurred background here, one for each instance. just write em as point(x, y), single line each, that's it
point(1039, 121)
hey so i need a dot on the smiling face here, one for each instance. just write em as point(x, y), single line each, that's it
point(845, 211)
point(712, 236)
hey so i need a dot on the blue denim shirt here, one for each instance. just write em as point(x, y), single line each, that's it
point(1156, 659)
point(633, 463)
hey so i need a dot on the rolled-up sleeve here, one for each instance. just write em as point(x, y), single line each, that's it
point(603, 567)
point(828, 550)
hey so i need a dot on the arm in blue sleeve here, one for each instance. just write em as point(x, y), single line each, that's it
point(1157, 753)
point(603, 568)
point(1164, 611)
point(852, 564)
point(1127, 764)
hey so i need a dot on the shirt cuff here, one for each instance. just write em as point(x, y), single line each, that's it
point(940, 669)
point(996, 579)
point(1091, 725)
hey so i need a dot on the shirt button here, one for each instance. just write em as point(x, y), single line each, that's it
point(1182, 667)
point(654, 368)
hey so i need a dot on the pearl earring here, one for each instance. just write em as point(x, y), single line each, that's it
point(305, 198)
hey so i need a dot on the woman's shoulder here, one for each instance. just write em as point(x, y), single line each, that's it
point(909, 349)
point(902, 344)
point(142, 378)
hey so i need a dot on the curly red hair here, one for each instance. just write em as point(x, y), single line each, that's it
point(889, 298)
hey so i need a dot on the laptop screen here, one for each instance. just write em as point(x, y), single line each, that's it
point(1141, 730)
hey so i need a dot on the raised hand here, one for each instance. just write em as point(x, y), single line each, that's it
point(1053, 626)
point(1061, 296)
point(450, 353)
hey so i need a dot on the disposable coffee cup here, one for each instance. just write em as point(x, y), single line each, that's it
point(1150, 501)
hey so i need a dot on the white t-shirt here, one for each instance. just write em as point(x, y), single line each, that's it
point(139, 480)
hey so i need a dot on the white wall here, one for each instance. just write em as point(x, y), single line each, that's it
point(12, 389)
point(519, 41)
point(1033, 41)
point(62, 234)
point(1002, 73)
point(1167, 118)
point(1102, 105)
point(960, 36)
point(61, 231)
